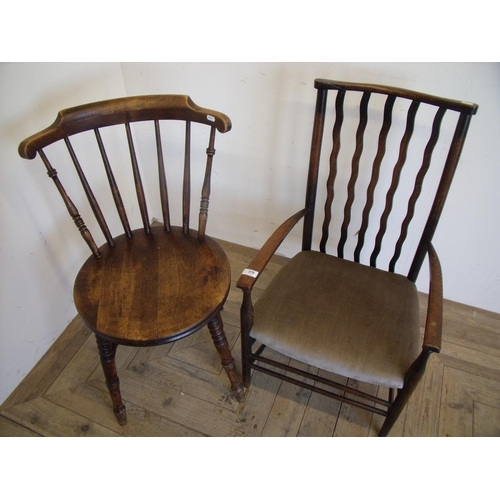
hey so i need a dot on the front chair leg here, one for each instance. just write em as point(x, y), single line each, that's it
point(107, 351)
point(219, 338)
point(415, 373)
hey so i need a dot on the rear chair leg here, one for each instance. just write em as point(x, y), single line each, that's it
point(107, 351)
point(219, 338)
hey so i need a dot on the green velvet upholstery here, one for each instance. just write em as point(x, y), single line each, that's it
point(343, 317)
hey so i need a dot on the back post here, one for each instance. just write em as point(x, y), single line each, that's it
point(312, 179)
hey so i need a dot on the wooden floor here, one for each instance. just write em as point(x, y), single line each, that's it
point(180, 389)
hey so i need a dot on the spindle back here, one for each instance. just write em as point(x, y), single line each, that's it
point(382, 149)
point(92, 119)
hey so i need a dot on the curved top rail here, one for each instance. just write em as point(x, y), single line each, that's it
point(461, 106)
point(118, 111)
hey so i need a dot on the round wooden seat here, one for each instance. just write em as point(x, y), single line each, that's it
point(153, 288)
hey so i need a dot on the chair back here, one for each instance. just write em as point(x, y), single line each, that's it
point(94, 166)
point(389, 154)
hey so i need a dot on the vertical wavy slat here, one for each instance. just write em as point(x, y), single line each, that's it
point(363, 119)
point(186, 189)
point(339, 118)
point(141, 198)
point(205, 192)
point(382, 141)
point(454, 153)
point(429, 149)
point(72, 210)
point(120, 207)
point(162, 179)
point(90, 195)
point(410, 122)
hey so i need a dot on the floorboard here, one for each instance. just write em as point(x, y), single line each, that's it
point(181, 390)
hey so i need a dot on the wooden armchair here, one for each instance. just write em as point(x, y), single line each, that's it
point(351, 313)
point(158, 283)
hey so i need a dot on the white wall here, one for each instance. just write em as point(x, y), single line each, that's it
point(258, 180)
point(262, 162)
point(38, 263)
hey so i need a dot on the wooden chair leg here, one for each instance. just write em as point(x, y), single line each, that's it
point(246, 314)
point(412, 379)
point(246, 349)
point(107, 351)
point(219, 338)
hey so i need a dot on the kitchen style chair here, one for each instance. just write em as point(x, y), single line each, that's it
point(350, 307)
point(157, 283)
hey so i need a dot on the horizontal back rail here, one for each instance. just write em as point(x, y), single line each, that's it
point(468, 108)
point(120, 111)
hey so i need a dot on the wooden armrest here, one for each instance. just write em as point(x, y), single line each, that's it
point(259, 262)
point(434, 321)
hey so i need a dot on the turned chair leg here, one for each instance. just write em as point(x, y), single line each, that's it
point(219, 338)
point(107, 351)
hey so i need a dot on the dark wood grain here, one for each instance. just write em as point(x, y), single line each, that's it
point(396, 174)
point(332, 174)
point(370, 193)
point(312, 176)
point(434, 320)
point(119, 111)
point(70, 206)
point(259, 262)
point(417, 189)
point(153, 288)
point(113, 185)
point(450, 167)
point(162, 178)
point(154, 285)
point(396, 102)
point(468, 108)
point(139, 188)
point(186, 186)
point(363, 120)
point(94, 205)
point(205, 191)
point(107, 353)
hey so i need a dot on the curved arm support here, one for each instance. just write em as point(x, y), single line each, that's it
point(434, 321)
point(259, 262)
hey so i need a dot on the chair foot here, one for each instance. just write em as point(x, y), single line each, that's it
point(107, 351)
point(121, 415)
point(239, 393)
point(215, 327)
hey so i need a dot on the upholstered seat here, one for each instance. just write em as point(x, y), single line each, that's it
point(343, 317)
